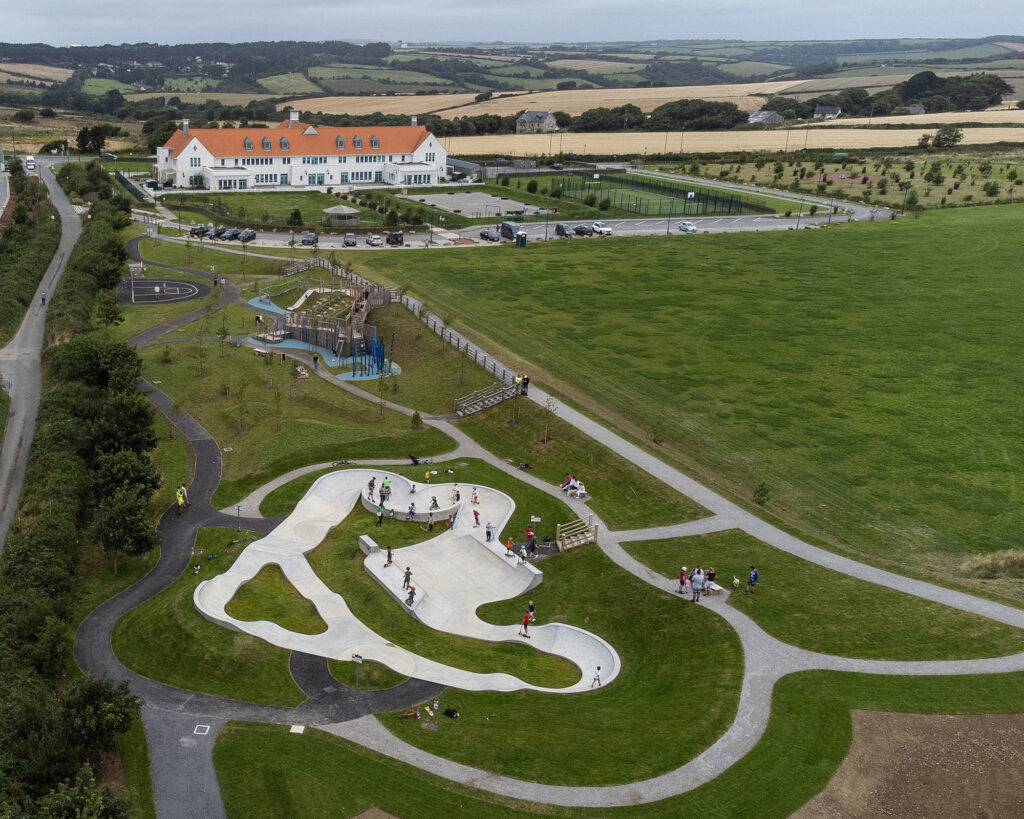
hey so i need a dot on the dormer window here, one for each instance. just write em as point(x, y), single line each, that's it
point(248, 144)
point(266, 143)
point(357, 143)
point(374, 143)
point(339, 143)
point(285, 145)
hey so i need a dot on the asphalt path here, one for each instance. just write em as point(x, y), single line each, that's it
point(19, 363)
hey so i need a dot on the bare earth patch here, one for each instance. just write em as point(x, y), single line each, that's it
point(923, 765)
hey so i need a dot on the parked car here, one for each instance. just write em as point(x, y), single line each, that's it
point(601, 229)
point(198, 230)
point(490, 235)
point(350, 240)
point(583, 230)
point(373, 240)
point(687, 227)
point(218, 232)
point(108, 155)
point(564, 230)
point(247, 235)
point(396, 238)
point(230, 234)
point(211, 233)
point(508, 230)
point(310, 239)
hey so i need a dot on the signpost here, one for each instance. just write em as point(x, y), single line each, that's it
point(358, 660)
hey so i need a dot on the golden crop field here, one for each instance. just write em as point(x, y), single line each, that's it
point(592, 65)
point(398, 104)
point(999, 115)
point(1012, 46)
point(39, 72)
point(629, 144)
point(746, 95)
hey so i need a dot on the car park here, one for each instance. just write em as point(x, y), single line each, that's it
point(310, 239)
point(396, 238)
point(490, 235)
point(373, 240)
point(350, 240)
point(198, 230)
point(583, 230)
point(601, 229)
point(564, 230)
point(247, 235)
point(230, 234)
point(687, 227)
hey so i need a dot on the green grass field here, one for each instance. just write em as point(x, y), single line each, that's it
point(296, 422)
point(345, 71)
point(822, 610)
point(264, 771)
point(166, 639)
point(277, 206)
point(99, 86)
point(289, 84)
point(872, 392)
point(202, 256)
point(270, 596)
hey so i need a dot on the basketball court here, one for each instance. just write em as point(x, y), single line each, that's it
point(160, 291)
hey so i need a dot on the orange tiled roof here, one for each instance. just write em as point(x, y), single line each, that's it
point(224, 142)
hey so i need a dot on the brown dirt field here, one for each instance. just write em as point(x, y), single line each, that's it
point(591, 65)
point(656, 142)
point(404, 104)
point(917, 765)
point(42, 72)
point(1011, 46)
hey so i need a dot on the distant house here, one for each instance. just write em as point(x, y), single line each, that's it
point(536, 122)
point(827, 111)
point(915, 108)
point(764, 118)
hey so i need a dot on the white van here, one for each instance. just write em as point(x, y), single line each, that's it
point(30, 163)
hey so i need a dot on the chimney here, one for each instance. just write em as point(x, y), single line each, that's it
point(414, 120)
point(293, 117)
point(184, 127)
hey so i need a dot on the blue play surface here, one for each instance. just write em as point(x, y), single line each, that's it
point(327, 357)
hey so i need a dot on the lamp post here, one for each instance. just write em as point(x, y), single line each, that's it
point(800, 213)
point(906, 192)
point(668, 221)
point(431, 237)
point(831, 207)
point(238, 518)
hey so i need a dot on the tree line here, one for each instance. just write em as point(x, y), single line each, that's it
point(87, 486)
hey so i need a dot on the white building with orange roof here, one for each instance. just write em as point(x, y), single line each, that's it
point(296, 155)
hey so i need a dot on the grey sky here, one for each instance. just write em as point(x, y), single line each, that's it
point(63, 22)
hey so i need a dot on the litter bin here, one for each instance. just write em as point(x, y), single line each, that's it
point(521, 238)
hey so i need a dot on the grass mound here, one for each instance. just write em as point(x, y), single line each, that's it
point(269, 596)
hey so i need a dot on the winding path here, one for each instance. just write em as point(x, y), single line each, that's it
point(171, 714)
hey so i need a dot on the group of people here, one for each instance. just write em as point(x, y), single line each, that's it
point(529, 616)
point(696, 582)
point(383, 493)
point(523, 382)
point(572, 486)
point(181, 497)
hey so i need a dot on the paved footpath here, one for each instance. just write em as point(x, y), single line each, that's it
point(169, 714)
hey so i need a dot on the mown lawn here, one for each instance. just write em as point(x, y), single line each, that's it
point(822, 610)
point(265, 771)
point(268, 421)
point(166, 639)
point(867, 374)
point(206, 257)
point(271, 596)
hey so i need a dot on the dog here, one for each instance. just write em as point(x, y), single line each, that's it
point(735, 582)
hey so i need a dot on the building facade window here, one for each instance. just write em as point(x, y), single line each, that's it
point(430, 157)
point(285, 144)
point(266, 143)
point(357, 143)
point(248, 144)
point(374, 143)
point(339, 143)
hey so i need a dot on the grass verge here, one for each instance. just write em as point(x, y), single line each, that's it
point(270, 596)
point(372, 676)
point(166, 639)
point(138, 781)
point(823, 610)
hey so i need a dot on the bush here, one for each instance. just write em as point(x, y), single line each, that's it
point(503, 180)
point(605, 204)
point(590, 200)
point(531, 186)
point(1007, 563)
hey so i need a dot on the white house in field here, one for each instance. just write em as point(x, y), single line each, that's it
point(297, 155)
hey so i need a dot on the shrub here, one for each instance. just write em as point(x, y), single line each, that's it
point(590, 200)
point(531, 186)
point(605, 204)
point(1007, 563)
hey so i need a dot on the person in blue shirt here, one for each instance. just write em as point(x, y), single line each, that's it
point(752, 580)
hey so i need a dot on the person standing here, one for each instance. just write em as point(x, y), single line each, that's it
point(533, 611)
point(597, 677)
point(407, 578)
point(752, 580)
point(682, 581)
point(316, 361)
point(370, 486)
point(180, 500)
point(490, 531)
point(525, 631)
point(389, 558)
point(430, 521)
point(526, 383)
point(380, 514)
point(184, 493)
point(476, 518)
point(411, 597)
point(476, 496)
point(44, 298)
point(426, 476)
point(697, 583)
point(510, 549)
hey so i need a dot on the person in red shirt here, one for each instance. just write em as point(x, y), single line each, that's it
point(682, 581)
point(526, 624)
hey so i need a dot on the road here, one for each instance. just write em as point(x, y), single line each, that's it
point(19, 364)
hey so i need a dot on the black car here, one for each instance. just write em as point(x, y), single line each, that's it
point(564, 230)
point(396, 239)
point(230, 234)
point(310, 239)
point(583, 230)
point(219, 232)
point(490, 235)
point(198, 230)
point(247, 235)
point(211, 233)
point(108, 155)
